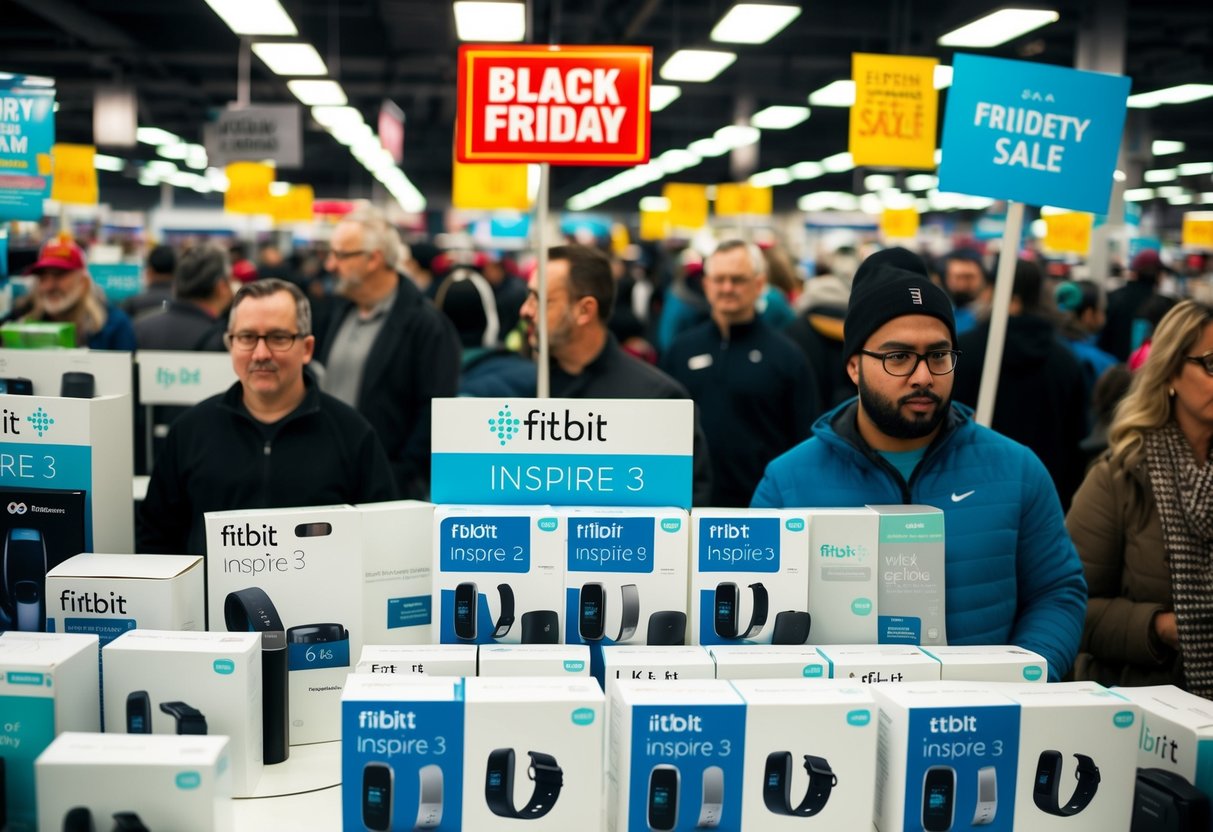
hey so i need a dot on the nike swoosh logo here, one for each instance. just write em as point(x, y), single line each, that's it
point(956, 498)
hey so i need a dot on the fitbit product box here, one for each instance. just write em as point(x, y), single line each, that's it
point(843, 574)
point(534, 660)
point(810, 752)
point(677, 756)
point(533, 751)
point(625, 578)
point(498, 574)
point(910, 603)
point(295, 573)
point(402, 753)
point(135, 781)
point(749, 576)
point(164, 682)
point(397, 564)
point(872, 663)
point(48, 684)
point(418, 659)
point(768, 661)
point(994, 663)
point(1077, 756)
point(655, 664)
point(40, 530)
point(947, 755)
point(1176, 732)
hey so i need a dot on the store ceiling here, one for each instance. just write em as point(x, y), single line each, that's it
point(182, 60)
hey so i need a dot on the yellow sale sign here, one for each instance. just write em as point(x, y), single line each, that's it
point(736, 200)
point(294, 206)
point(1069, 233)
point(654, 225)
point(75, 177)
point(1198, 230)
point(489, 187)
point(688, 204)
point(248, 188)
point(895, 111)
point(899, 223)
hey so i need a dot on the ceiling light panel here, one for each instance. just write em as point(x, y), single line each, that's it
point(486, 21)
point(662, 96)
point(698, 65)
point(1182, 94)
point(291, 59)
point(998, 27)
point(254, 17)
point(318, 93)
point(779, 117)
point(834, 94)
point(753, 22)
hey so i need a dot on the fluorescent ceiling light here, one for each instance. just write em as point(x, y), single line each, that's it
point(1207, 198)
point(334, 116)
point(662, 96)
point(938, 155)
point(807, 170)
point(1169, 191)
point(254, 17)
point(922, 182)
point(771, 178)
point(828, 200)
point(1167, 175)
point(500, 22)
point(291, 58)
point(658, 204)
point(700, 65)
point(351, 134)
point(779, 117)
point(196, 156)
point(1119, 175)
point(1182, 199)
point(1139, 194)
point(676, 160)
point(878, 181)
point(280, 188)
point(103, 162)
point(998, 27)
point(834, 94)
point(838, 163)
point(943, 76)
point(156, 136)
point(160, 167)
point(178, 151)
point(1195, 168)
point(315, 93)
point(753, 22)
point(1162, 147)
point(708, 148)
point(870, 204)
point(737, 135)
point(1182, 94)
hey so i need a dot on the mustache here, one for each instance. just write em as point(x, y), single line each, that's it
point(258, 366)
point(921, 394)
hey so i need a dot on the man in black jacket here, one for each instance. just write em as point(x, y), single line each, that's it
point(273, 440)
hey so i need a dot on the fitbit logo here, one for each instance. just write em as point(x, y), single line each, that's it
point(474, 531)
point(248, 535)
point(1162, 747)
point(727, 545)
point(41, 421)
point(953, 724)
point(8, 423)
point(94, 602)
point(385, 720)
point(553, 427)
point(595, 530)
point(675, 724)
point(17, 508)
point(504, 425)
point(728, 531)
point(829, 550)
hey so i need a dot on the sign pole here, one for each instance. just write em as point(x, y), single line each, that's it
point(542, 382)
point(1003, 282)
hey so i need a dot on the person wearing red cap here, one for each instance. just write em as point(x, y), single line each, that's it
point(63, 292)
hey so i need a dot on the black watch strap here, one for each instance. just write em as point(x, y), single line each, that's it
point(499, 784)
point(250, 611)
point(630, 619)
point(189, 719)
point(758, 616)
point(505, 594)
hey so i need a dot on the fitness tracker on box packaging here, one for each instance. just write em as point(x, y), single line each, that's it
point(777, 784)
point(592, 621)
point(78, 819)
point(727, 603)
point(25, 578)
point(667, 627)
point(189, 719)
point(938, 798)
point(466, 603)
point(712, 802)
point(77, 385)
point(128, 822)
point(16, 386)
point(377, 790)
point(1048, 777)
point(541, 627)
point(791, 627)
point(663, 798)
point(1165, 802)
point(251, 610)
point(316, 634)
point(429, 802)
point(499, 784)
point(138, 713)
point(987, 796)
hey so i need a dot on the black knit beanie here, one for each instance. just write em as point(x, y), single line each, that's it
point(889, 284)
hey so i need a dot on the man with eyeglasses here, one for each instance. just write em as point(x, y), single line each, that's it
point(1013, 576)
point(273, 440)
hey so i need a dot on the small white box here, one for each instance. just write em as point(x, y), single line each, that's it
point(873, 663)
point(418, 659)
point(534, 660)
point(910, 603)
point(768, 661)
point(1176, 732)
point(169, 782)
point(993, 663)
point(843, 575)
point(503, 558)
point(48, 685)
point(656, 664)
point(749, 573)
point(153, 677)
point(397, 562)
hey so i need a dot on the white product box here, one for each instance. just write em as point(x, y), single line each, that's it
point(843, 575)
point(163, 682)
point(947, 758)
point(534, 660)
point(418, 659)
point(48, 685)
point(498, 574)
point(656, 664)
point(995, 663)
point(768, 661)
point(298, 570)
point(525, 736)
point(677, 756)
point(749, 575)
point(910, 603)
point(169, 782)
point(871, 663)
point(625, 578)
point(397, 562)
point(810, 755)
point(1176, 732)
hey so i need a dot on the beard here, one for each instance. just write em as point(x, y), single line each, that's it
point(963, 297)
point(61, 302)
point(887, 416)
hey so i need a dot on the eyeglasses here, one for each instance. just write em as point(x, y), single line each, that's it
point(344, 255)
point(247, 341)
point(731, 279)
point(904, 362)
point(1205, 361)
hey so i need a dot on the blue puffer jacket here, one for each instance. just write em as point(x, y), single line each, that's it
point(1013, 575)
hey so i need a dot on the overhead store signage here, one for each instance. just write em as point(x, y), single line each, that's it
point(248, 188)
point(742, 200)
point(604, 452)
point(1198, 230)
point(1068, 233)
point(75, 176)
point(27, 131)
point(895, 111)
point(267, 132)
point(899, 223)
point(567, 105)
point(489, 187)
point(391, 130)
point(688, 204)
point(654, 225)
point(293, 206)
point(1039, 134)
point(119, 281)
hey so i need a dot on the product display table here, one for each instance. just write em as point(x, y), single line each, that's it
point(302, 794)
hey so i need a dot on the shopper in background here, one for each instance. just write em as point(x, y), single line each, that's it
point(64, 293)
point(967, 283)
point(487, 368)
point(1013, 576)
point(386, 350)
point(1125, 304)
point(273, 440)
point(1082, 306)
point(1143, 520)
point(158, 284)
point(1148, 317)
point(509, 289)
point(757, 395)
point(818, 330)
point(201, 292)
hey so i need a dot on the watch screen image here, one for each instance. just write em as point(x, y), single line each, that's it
point(377, 797)
point(938, 798)
point(726, 610)
point(465, 611)
point(663, 798)
point(592, 625)
point(138, 713)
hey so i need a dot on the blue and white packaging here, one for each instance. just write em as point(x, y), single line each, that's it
point(48, 685)
point(822, 734)
point(534, 660)
point(418, 659)
point(397, 565)
point(879, 663)
point(747, 567)
point(910, 603)
point(768, 661)
point(948, 756)
point(655, 664)
point(677, 756)
point(843, 575)
point(988, 663)
point(1176, 732)
point(498, 574)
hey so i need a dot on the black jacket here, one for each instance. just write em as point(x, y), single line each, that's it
point(181, 326)
point(757, 397)
point(414, 359)
point(219, 458)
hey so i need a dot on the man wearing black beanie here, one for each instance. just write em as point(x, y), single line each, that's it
point(1013, 576)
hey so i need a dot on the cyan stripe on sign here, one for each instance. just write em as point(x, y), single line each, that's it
point(562, 479)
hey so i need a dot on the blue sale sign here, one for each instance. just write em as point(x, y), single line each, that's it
point(27, 131)
point(1038, 134)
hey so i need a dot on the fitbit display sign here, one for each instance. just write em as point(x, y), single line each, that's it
point(749, 544)
point(607, 452)
point(614, 544)
point(485, 544)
